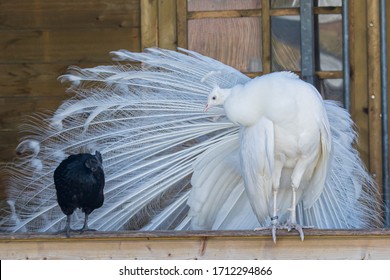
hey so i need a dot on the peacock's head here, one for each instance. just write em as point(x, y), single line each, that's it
point(216, 97)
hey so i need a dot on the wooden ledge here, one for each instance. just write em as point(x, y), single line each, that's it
point(318, 244)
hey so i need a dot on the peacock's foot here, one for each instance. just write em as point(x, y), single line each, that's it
point(273, 227)
point(288, 226)
point(291, 225)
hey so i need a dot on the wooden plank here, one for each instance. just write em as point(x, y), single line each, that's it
point(224, 14)
point(328, 10)
point(65, 46)
point(37, 79)
point(285, 12)
point(218, 5)
point(7, 151)
point(167, 37)
point(149, 23)
point(24, 79)
point(329, 74)
point(48, 14)
point(199, 245)
point(374, 90)
point(182, 40)
point(295, 11)
point(13, 110)
point(258, 12)
point(358, 64)
point(266, 36)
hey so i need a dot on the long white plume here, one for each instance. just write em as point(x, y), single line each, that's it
point(147, 120)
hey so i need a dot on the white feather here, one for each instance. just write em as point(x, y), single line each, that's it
point(148, 123)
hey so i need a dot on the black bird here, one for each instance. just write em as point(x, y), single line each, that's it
point(79, 182)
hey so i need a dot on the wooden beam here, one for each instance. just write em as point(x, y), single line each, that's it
point(149, 23)
point(65, 46)
point(182, 39)
point(85, 14)
point(258, 12)
point(358, 69)
point(266, 36)
point(224, 14)
point(318, 244)
point(374, 90)
point(167, 34)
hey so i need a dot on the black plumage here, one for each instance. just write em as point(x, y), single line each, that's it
point(79, 182)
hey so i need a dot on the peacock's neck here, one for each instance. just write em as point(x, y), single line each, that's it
point(244, 107)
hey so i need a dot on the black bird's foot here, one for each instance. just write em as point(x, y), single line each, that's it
point(67, 231)
point(86, 229)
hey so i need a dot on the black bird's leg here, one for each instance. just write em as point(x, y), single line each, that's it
point(85, 227)
point(67, 228)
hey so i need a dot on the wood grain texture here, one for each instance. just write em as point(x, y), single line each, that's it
point(48, 14)
point(167, 32)
point(318, 244)
point(182, 33)
point(234, 41)
point(38, 41)
point(358, 63)
point(71, 46)
point(374, 90)
point(266, 37)
point(149, 23)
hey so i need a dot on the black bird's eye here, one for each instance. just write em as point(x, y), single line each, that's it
point(92, 164)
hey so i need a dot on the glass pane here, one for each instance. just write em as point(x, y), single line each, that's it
point(284, 3)
point(330, 42)
point(286, 43)
point(220, 5)
point(233, 41)
point(332, 89)
point(295, 3)
point(325, 3)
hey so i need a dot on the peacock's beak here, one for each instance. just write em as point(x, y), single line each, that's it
point(206, 108)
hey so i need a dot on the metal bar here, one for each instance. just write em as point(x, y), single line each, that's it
point(307, 41)
point(346, 68)
point(385, 123)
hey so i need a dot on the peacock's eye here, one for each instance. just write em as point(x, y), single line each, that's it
point(214, 97)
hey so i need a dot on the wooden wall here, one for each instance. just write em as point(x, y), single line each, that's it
point(39, 39)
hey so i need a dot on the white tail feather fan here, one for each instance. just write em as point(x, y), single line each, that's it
point(168, 164)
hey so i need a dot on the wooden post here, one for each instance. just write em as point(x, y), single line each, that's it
point(266, 36)
point(149, 23)
point(358, 64)
point(158, 24)
point(182, 40)
point(167, 35)
point(374, 90)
